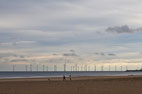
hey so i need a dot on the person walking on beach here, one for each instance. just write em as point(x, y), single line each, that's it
point(64, 78)
point(70, 77)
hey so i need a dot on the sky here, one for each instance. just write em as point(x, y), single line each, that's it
point(82, 32)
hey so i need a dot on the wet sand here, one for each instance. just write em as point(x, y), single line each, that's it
point(78, 85)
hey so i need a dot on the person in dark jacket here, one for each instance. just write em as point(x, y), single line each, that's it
point(64, 78)
point(70, 77)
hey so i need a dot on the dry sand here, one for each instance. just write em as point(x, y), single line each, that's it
point(78, 85)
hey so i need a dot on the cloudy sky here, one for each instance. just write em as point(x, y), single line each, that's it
point(54, 32)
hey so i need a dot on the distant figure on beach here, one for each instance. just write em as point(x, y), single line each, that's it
point(64, 78)
point(70, 77)
point(48, 79)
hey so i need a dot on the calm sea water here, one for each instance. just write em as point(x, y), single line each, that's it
point(61, 73)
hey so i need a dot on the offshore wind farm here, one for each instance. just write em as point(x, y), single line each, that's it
point(75, 71)
point(65, 67)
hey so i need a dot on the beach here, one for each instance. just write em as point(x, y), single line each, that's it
point(78, 85)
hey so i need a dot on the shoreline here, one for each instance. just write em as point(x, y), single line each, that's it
point(34, 74)
point(74, 78)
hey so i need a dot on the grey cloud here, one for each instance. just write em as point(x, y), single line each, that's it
point(21, 56)
point(72, 50)
point(104, 54)
point(122, 29)
point(19, 60)
point(99, 54)
point(70, 54)
point(111, 54)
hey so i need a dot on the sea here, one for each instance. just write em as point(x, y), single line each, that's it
point(41, 74)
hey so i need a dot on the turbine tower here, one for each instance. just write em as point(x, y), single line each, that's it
point(13, 67)
point(65, 67)
point(26, 68)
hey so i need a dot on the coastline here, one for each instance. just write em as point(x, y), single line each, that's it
point(41, 74)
